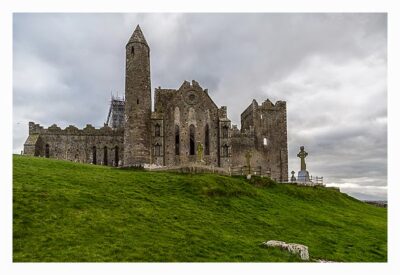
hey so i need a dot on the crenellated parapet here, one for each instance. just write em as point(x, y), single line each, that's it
point(71, 130)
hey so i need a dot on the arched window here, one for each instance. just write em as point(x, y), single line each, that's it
point(133, 50)
point(116, 155)
point(105, 155)
point(225, 131)
point(225, 151)
point(192, 140)
point(176, 140)
point(77, 155)
point(157, 150)
point(47, 151)
point(94, 155)
point(207, 140)
point(157, 130)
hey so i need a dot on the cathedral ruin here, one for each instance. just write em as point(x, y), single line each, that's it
point(184, 123)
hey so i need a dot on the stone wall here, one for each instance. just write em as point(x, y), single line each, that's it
point(89, 145)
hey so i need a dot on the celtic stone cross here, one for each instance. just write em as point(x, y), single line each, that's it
point(302, 155)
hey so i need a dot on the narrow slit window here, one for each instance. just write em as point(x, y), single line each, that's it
point(207, 140)
point(176, 140)
point(116, 156)
point(192, 141)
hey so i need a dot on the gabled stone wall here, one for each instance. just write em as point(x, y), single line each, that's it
point(179, 110)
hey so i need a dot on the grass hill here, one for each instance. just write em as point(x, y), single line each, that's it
point(64, 211)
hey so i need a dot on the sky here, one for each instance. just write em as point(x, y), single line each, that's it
point(331, 69)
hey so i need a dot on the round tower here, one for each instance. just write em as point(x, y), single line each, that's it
point(137, 101)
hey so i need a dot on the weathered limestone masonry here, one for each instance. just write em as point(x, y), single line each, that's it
point(138, 101)
point(264, 135)
point(89, 145)
point(185, 122)
point(184, 118)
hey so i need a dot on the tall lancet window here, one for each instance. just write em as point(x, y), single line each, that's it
point(177, 140)
point(105, 155)
point(47, 151)
point(94, 155)
point(192, 140)
point(207, 140)
point(116, 155)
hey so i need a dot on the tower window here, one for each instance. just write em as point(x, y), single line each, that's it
point(133, 50)
point(157, 130)
point(137, 101)
point(207, 140)
point(192, 140)
point(265, 141)
point(176, 140)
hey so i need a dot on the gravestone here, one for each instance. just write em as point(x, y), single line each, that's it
point(293, 178)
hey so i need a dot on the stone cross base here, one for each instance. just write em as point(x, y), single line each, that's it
point(303, 176)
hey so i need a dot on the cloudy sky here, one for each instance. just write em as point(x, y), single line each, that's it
point(330, 68)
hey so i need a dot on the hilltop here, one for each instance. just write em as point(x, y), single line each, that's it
point(65, 211)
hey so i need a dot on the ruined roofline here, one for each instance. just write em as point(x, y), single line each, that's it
point(266, 104)
point(73, 130)
point(162, 90)
point(186, 85)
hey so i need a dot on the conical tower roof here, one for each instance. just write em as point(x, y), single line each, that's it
point(138, 37)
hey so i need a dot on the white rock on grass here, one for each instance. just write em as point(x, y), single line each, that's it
point(294, 248)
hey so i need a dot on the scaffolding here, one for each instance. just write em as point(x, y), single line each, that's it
point(115, 117)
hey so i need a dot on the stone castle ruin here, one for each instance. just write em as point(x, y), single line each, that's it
point(186, 127)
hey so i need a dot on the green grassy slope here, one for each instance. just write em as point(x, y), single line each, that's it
point(65, 211)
